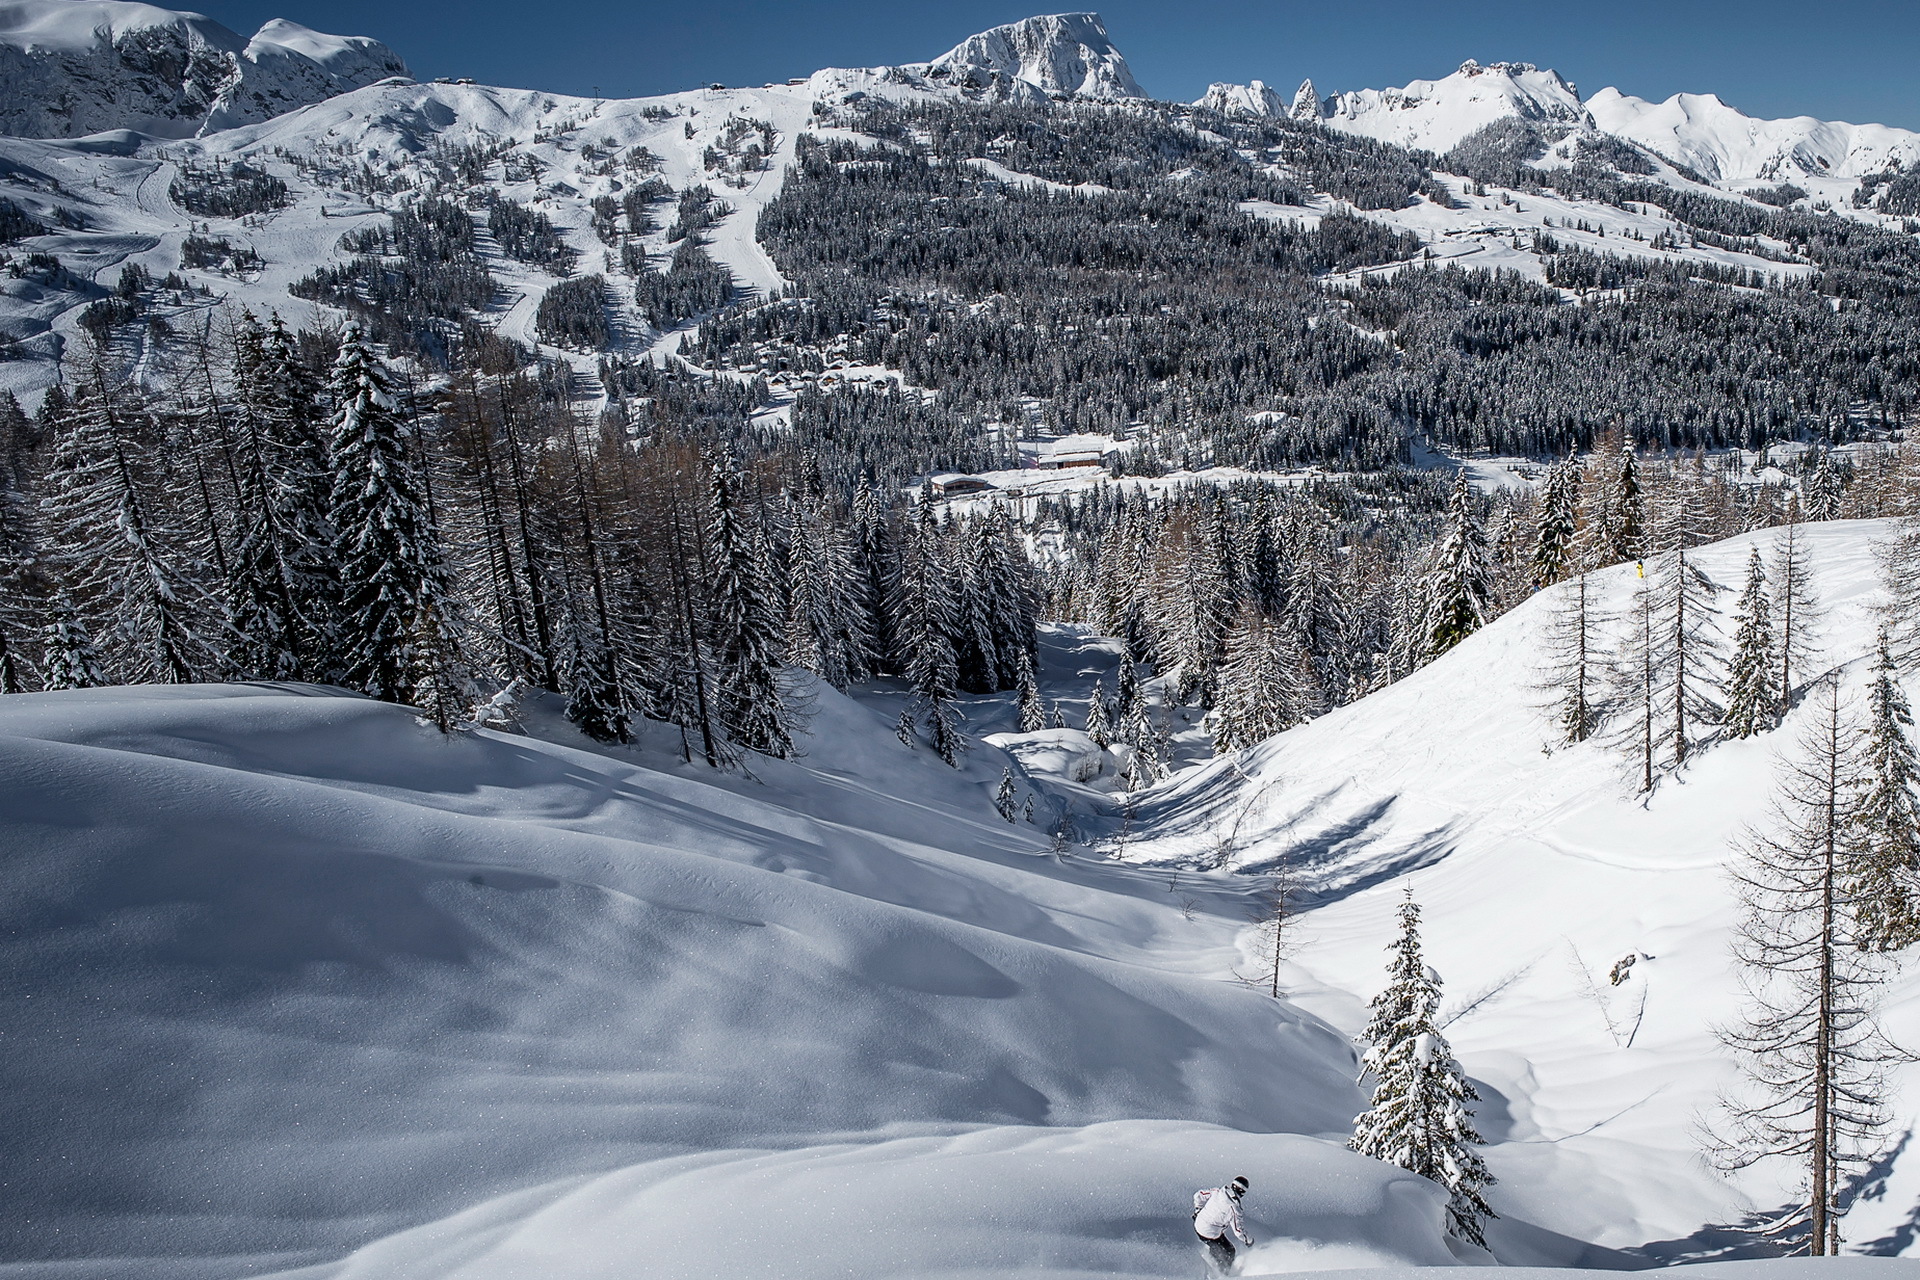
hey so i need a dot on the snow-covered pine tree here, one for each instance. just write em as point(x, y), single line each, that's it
point(70, 660)
point(1418, 1116)
point(1014, 597)
point(1099, 724)
point(1808, 1043)
point(133, 587)
point(1556, 520)
point(872, 570)
point(1033, 710)
point(809, 612)
point(1822, 488)
point(744, 621)
point(284, 399)
point(921, 613)
point(439, 684)
point(1899, 557)
point(976, 640)
point(596, 702)
point(1258, 695)
point(1192, 610)
point(1753, 698)
point(1883, 881)
point(394, 590)
point(1613, 502)
point(1796, 602)
point(1006, 800)
point(272, 639)
point(1459, 596)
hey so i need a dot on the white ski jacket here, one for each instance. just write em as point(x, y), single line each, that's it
point(1215, 1213)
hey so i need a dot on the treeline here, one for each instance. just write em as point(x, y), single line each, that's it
point(295, 513)
point(1272, 604)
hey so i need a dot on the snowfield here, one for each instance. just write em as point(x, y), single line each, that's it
point(286, 973)
point(294, 986)
point(1538, 870)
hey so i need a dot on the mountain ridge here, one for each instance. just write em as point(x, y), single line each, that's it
point(69, 68)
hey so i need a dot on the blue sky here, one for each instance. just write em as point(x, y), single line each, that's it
point(1853, 60)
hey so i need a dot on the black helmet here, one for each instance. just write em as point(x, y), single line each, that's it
point(1239, 1185)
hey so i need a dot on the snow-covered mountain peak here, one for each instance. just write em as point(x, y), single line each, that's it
point(1052, 54)
point(1258, 99)
point(74, 67)
point(1727, 145)
point(1306, 102)
point(1254, 98)
point(1436, 114)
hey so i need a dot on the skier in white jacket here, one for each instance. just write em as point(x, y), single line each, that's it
point(1216, 1220)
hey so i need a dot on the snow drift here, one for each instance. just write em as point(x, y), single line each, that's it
point(285, 972)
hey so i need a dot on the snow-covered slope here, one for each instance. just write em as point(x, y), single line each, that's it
point(1062, 54)
point(119, 189)
point(283, 972)
point(1435, 114)
point(75, 67)
point(1726, 145)
point(1539, 868)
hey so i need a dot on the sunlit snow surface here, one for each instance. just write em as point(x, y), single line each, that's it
point(1539, 868)
point(291, 985)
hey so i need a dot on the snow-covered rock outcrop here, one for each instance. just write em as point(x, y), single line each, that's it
point(1062, 54)
point(75, 67)
point(1258, 99)
point(1724, 144)
point(1255, 98)
point(1435, 114)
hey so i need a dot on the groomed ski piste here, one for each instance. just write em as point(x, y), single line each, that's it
point(297, 987)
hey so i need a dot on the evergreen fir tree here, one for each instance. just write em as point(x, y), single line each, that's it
point(393, 581)
point(1033, 711)
point(596, 702)
point(71, 662)
point(286, 601)
point(1257, 687)
point(1753, 700)
point(1418, 1116)
point(1459, 588)
point(1557, 521)
point(1883, 881)
point(123, 565)
point(1006, 800)
point(922, 622)
point(1629, 499)
point(746, 632)
point(1099, 727)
